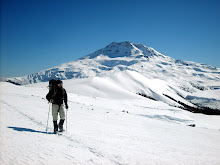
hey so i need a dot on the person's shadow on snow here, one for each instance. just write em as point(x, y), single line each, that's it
point(20, 129)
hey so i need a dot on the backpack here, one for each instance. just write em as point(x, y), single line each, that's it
point(53, 90)
point(52, 84)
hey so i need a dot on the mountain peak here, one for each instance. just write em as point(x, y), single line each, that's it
point(123, 44)
point(123, 49)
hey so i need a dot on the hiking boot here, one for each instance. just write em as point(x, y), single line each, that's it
point(61, 125)
point(55, 126)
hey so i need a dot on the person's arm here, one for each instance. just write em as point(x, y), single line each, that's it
point(65, 99)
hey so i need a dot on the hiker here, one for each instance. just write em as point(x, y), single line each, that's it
point(57, 94)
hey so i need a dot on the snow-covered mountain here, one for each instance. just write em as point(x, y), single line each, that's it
point(184, 78)
point(127, 56)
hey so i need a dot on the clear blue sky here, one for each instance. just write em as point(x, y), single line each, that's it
point(40, 34)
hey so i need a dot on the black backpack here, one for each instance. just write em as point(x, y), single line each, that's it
point(53, 89)
point(52, 84)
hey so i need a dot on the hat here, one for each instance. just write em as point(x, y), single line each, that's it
point(59, 82)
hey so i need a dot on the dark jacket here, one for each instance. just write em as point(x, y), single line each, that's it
point(57, 96)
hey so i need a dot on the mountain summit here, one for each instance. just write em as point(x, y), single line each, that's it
point(123, 49)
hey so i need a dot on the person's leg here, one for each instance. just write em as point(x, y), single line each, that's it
point(55, 109)
point(62, 117)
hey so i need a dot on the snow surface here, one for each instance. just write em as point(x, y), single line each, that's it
point(108, 124)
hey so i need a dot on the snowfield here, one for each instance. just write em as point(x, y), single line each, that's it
point(107, 124)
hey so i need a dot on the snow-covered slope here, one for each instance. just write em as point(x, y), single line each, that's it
point(128, 83)
point(131, 84)
point(129, 129)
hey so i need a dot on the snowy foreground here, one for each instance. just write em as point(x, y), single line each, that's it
point(128, 129)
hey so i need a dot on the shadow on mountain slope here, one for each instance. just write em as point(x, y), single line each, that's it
point(197, 109)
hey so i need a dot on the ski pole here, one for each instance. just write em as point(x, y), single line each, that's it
point(66, 120)
point(48, 117)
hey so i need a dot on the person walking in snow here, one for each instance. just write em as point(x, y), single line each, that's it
point(57, 95)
